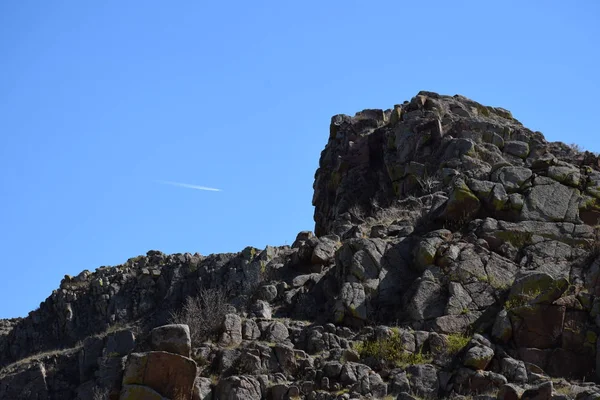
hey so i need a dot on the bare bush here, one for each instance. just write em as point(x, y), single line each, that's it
point(203, 313)
point(100, 393)
point(429, 184)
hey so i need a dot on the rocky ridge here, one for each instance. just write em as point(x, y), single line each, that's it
point(456, 253)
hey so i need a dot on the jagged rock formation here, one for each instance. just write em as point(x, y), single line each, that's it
point(456, 253)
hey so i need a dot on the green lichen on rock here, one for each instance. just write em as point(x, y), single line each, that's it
point(396, 115)
point(462, 203)
point(517, 239)
point(590, 339)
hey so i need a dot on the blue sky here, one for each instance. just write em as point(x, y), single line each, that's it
point(100, 100)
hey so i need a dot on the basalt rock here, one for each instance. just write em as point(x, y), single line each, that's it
point(456, 252)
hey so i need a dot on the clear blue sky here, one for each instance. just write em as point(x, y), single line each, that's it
point(100, 100)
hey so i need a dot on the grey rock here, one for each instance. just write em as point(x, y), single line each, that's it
point(202, 389)
point(478, 357)
point(262, 309)
point(459, 299)
point(88, 357)
point(423, 380)
point(232, 330)
point(172, 338)
point(267, 293)
point(352, 373)
point(239, 388)
point(325, 249)
point(540, 392)
point(140, 392)
point(512, 178)
point(405, 396)
point(332, 369)
point(428, 300)
point(276, 332)
point(509, 392)
point(286, 357)
point(279, 391)
point(567, 174)
point(250, 330)
point(28, 384)
point(516, 148)
point(514, 370)
point(352, 302)
point(554, 202)
point(398, 383)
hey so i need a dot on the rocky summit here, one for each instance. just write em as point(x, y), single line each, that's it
point(456, 254)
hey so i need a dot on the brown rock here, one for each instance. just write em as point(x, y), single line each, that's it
point(169, 374)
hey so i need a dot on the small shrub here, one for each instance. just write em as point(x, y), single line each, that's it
point(204, 314)
point(576, 147)
point(522, 299)
point(100, 393)
point(456, 342)
point(428, 184)
point(390, 350)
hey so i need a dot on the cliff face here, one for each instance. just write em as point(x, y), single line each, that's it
point(377, 158)
point(440, 221)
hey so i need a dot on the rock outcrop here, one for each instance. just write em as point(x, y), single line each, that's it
point(455, 253)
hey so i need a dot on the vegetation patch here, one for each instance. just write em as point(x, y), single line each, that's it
point(456, 342)
point(391, 350)
point(203, 314)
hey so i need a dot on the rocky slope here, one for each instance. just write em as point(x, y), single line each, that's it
point(456, 253)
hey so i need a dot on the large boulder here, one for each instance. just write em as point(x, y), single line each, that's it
point(136, 392)
point(168, 374)
point(173, 339)
point(239, 388)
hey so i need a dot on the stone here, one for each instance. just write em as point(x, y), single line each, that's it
point(276, 332)
point(428, 300)
point(514, 370)
point(239, 388)
point(202, 389)
point(351, 303)
point(325, 249)
point(262, 309)
point(135, 392)
point(554, 202)
point(516, 148)
point(250, 330)
point(88, 357)
point(462, 203)
point(540, 392)
point(168, 374)
point(232, 330)
point(399, 383)
point(172, 339)
point(537, 326)
point(502, 328)
point(512, 178)
point(478, 357)
point(567, 174)
point(267, 293)
point(286, 357)
point(279, 391)
point(509, 392)
point(28, 384)
point(423, 380)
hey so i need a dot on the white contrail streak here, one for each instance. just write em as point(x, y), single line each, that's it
point(189, 186)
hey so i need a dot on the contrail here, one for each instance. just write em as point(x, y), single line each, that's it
point(189, 186)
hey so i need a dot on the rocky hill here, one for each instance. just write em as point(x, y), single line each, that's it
point(456, 254)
